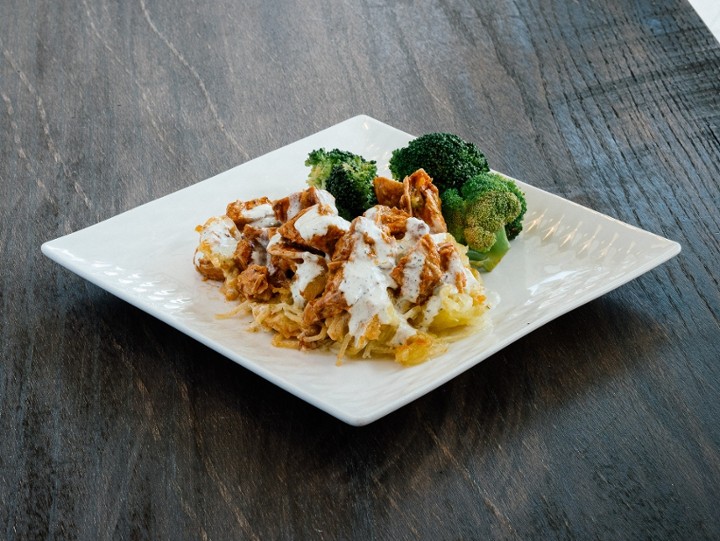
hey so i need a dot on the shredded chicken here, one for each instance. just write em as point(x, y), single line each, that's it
point(288, 207)
point(317, 227)
point(416, 195)
point(419, 271)
point(253, 283)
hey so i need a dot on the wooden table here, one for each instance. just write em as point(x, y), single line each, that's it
point(604, 423)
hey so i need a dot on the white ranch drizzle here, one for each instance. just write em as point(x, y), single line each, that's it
point(412, 271)
point(220, 236)
point(448, 287)
point(456, 268)
point(260, 215)
point(403, 332)
point(433, 305)
point(272, 241)
point(293, 205)
point(365, 283)
point(314, 223)
point(414, 230)
point(366, 279)
point(439, 238)
point(325, 198)
point(259, 256)
point(306, 272)
point(259, 253)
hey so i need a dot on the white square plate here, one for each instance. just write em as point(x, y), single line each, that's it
point(566, 256)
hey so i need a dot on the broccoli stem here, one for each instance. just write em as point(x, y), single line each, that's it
point(488, 260)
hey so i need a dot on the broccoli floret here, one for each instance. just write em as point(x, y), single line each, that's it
point(482, 215)
point(352, 188)
point(489, 182)
point(347, 176)
point(321, 162)
point(514, 228)
point(448, 159)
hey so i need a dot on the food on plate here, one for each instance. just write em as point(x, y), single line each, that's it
point(485, 214)
point(367, 264)
point(416, 195)
point(484, 210)
point(390, 281)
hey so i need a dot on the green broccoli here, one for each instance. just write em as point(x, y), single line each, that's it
point(485, 214)
point(448, 159)
point(514, 228)
point(347, 176)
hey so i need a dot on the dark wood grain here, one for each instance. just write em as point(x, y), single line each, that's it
point(603, 424)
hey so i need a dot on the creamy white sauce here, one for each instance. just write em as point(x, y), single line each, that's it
point(403, 332)
point(260, 215)
point(293, 205)
point(371, 213)
point(259, 254)
point(366, 278)
point(220, 236)
point(272, 241)
point(367, 285)
point(325, 198)
point(306, 272)
point(415, 229)
point(315, 224)
point(455, 269)
point(434, 304)
point(439, 238)
point(412, 273)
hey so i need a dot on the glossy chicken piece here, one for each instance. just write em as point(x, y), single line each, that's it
point(451, 264)
point(253, 284)
point(288, 207)
point(331, 303)
point(317, 227)
point(214, 256)
point(416, 195)
point(388, 191)
point(419, 271)
point(257, 212)
point(393, 220)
